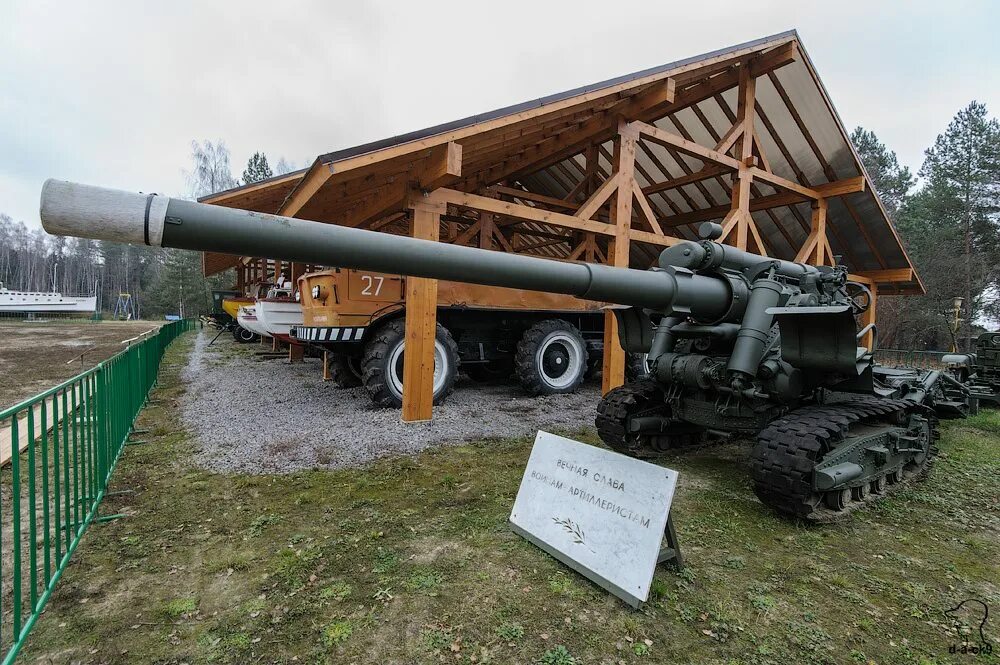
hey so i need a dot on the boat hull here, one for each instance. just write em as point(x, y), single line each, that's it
point(21, 302)
point(247, 317)
point(278, 317)
point(231, 306)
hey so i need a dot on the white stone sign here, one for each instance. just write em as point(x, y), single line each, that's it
point(601, 513)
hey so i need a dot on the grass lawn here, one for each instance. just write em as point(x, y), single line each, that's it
point(410, 560)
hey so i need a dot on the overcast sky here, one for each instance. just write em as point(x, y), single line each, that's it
point(112, 93)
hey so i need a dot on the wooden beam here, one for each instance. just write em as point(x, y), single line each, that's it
point(421, 325)
point(888, 276)
point(783, 183)
point(311, 182)
point(815, 246)
point(552, 150)
point(727, 141)
point(613, 365)
point(744, 112)
point(778, 200)
point(220, 197)
point(707, 172)
point(647, 211)
point(664, 138)
point(653, 238)
point(550, 201)
point(541, 244)
point(443, 167)
point(384, 200)
point(599, 197)
point(516, 211)
point(586, 183)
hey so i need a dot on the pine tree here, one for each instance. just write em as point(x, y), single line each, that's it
point(892, 181)
point(257, 169)
point(962, 196)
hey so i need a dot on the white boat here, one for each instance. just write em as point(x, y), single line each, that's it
point(30, 302)
point(278, 315)
point(248, 319)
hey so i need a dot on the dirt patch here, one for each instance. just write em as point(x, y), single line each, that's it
point(35, 356)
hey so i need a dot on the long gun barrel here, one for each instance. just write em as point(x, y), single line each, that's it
point(107, 214)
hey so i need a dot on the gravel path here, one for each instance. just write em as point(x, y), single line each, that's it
point(268, 416)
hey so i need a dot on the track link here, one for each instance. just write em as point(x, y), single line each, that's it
point(639, 398)
point(789, 449)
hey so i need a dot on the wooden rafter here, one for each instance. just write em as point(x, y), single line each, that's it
point(779, 200)
point(707, 172)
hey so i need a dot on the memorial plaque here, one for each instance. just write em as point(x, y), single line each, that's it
point(601, 513)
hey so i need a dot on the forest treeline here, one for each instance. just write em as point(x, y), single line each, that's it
point(159, 281)
point(947, 214)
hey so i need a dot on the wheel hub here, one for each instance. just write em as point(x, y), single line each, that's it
point(560, 360)
point(395, 366)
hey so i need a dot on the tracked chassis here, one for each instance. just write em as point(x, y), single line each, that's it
point(817, 462)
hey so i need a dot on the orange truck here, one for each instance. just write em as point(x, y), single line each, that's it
point(548, 342)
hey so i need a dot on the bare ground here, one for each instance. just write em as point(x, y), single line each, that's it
point(37, 355)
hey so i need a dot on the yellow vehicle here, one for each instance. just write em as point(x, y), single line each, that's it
point(548, 341)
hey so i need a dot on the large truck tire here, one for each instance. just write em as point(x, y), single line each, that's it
point(551, 358)
point(244, 336)
point(345, 370)
point(382, 364)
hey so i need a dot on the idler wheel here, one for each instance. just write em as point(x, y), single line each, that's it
point(838, 499)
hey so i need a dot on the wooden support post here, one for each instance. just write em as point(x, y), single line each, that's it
point(816, 246)
point(486, 227)
point(741, 186)
point(295, 353)
point(421, 322)
point(613, 367)
point(869, 340)
point(298, 269)
point(326, 367)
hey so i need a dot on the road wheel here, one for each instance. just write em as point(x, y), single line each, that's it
point(382, 364)
point(345, 370)
point(244, 336)
point(551, 358)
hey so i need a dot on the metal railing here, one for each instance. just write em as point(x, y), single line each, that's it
point(59, 450)
point(910, 358)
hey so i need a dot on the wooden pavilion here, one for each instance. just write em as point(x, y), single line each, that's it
point(611, 173)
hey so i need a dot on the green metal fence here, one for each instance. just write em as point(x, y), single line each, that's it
point(910, 358)
point(59, 449)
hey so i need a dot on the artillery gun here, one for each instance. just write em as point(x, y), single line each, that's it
point(737, 342)
point(980, 371)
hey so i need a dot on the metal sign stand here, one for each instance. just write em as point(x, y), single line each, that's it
point(670, 552)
